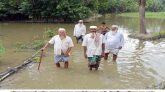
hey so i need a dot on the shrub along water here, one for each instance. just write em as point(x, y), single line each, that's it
point(159, 34)
point(149, 36)
point(48, 33)
point(35, 44)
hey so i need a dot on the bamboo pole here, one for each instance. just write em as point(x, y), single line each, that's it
point(40, 59)
point(11, 71)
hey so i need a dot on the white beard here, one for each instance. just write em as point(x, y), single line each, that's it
point(80, 25)
point(114, 32)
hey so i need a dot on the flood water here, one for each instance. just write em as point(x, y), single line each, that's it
point(139, 64)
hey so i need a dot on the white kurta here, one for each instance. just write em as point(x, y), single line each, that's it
point(92, 49)
point(61, 45)
point(113, 41)
point(79, 30)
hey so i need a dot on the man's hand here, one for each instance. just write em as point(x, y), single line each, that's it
point(102, 54)
point(66, 54)
point(42, 49)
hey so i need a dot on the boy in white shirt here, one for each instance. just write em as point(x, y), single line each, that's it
point(93, 47)
point(62, 47)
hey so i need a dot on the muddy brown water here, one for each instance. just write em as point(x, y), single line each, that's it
point(139, 63)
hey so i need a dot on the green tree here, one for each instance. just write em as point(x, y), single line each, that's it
point(66, 10)
point(26, 7)
point(103, 6)
point(93, 5)
point(3, 10)
point(72, 10)
point(154, 5)
point(117, 6)
point(9, 9)
point(69, 10)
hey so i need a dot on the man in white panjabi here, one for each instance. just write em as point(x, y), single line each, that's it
point(62, 47)
point(114, 41)
point(79, 31)
point(93, 44)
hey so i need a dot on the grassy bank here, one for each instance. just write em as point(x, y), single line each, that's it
point(159, 15)
point(149, 36)
point(161, 33)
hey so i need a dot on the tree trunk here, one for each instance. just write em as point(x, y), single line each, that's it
point(142, 16)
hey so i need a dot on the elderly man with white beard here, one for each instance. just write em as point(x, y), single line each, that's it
point(114, 41)
point(62, 47)
point(79, 31)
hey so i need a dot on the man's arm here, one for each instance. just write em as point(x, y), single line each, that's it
point(84, 32)
point(103, 49)
point(84, 44)
point(68, 51)
point(70, 47)
point(74, 32)
point(85, 49)
point(121, 41)
point(46, 45)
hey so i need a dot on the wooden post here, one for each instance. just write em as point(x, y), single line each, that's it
point(142, 16)
point(40, 59)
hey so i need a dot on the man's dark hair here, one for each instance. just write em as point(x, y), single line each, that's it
point(103, 23)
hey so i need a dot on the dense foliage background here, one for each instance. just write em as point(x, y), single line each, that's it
point(69, 10)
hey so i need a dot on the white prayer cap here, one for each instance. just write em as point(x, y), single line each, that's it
point(61, 29)
point(93, 27)
point(80, 21)
point(115, 26)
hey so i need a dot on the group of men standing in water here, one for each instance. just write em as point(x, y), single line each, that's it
point(98, 43)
